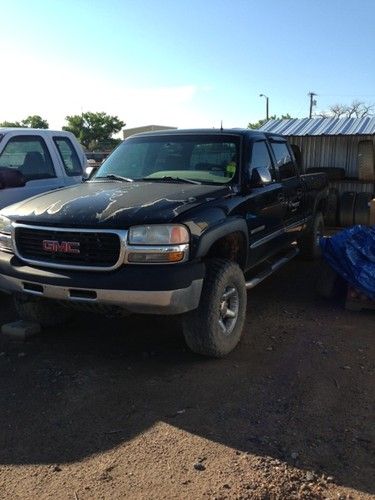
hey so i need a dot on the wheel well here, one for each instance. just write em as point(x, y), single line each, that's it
point(231, 247)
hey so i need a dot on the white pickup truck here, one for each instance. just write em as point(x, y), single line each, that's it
point(33, 161)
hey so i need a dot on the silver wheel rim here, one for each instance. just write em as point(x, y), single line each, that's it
point(228, 309)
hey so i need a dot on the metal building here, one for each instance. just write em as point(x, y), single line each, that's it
point(347, 143)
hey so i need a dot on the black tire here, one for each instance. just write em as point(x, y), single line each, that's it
point(202, 328)
point(362, 209)
point(309, 243)
point(346, 211)
point(43, 311)
point(326, 285)
point(330, 216)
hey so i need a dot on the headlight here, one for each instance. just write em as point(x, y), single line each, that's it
point(5, 225)
point(158, 244)
point(158, 234)
point(5, 234)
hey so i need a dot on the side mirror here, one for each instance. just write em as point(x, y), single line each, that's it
point(89, 171)
point(11, 178)
point(260, 176)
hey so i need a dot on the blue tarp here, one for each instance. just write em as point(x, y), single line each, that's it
point(351, 253)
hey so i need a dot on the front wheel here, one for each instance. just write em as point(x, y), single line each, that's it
point(215, 327)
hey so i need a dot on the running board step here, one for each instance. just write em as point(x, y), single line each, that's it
point(272, 268)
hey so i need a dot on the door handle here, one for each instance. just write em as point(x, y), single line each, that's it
point(294, 205)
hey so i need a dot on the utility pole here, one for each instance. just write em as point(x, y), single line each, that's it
point(267, 105)
point(312, 102)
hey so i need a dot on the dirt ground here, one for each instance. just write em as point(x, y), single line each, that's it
point(107, 409)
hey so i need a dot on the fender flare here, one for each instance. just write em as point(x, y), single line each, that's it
point(214, 234)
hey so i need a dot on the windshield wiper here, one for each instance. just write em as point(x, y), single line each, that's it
point(170, 178)
point(115, 177)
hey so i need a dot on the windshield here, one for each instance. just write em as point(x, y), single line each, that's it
point(201, 158)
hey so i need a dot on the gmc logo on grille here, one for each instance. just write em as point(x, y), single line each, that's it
point(53, 246)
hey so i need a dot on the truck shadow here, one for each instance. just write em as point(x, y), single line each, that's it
point(294, 389)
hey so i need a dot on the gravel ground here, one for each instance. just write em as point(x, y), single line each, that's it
point(107, 409)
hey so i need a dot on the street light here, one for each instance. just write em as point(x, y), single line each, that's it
point(262, 95)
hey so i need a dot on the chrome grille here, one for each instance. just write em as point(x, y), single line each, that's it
point(97, 249)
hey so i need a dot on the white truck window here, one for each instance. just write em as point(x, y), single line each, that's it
point(30, 156)
point(69, 156)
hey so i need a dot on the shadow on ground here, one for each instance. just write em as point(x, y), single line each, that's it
point(300, 386)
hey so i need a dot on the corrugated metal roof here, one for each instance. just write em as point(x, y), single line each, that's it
point(321, 126)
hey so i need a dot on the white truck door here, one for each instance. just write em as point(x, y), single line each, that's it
point(30, 155)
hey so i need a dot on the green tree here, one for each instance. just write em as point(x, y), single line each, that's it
point(32, 121)
point(35, 121)
point(95, 130)
point(261, 122)
point(7, 124)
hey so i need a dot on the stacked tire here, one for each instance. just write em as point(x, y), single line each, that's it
point(331, 212)
point(346, 212)
point(362, 209)
point(354, 209)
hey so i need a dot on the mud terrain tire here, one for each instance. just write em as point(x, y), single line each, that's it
point(215, 327)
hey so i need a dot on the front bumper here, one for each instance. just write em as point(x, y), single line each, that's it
point(135, 288)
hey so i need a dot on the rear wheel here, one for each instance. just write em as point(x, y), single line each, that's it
point(215, 327)
point(309, 243)
point(328, 281)
point(42, 311)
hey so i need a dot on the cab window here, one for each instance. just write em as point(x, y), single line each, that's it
point(30, 156)
point(68, 155)
point(260, 157)
point(284, 161)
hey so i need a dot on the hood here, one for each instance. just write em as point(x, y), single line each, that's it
point(113, 204)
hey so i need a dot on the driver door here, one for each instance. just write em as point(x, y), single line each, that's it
point(265, 209)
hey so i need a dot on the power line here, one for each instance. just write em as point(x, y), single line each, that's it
point(347, 95)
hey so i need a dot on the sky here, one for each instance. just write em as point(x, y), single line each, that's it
point(183, 63)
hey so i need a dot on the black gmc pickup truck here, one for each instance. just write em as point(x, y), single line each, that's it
point(174, 222)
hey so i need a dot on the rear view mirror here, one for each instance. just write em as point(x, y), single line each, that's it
point(11, 178)
point(260, 176)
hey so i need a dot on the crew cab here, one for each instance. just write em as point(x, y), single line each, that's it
point(33, 161)
point(173, 222)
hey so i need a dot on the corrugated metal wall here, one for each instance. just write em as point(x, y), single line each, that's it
point(331, 151)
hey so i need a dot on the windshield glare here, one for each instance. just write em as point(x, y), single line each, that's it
point(206, 159)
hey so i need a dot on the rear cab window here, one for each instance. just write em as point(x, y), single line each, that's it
point(69, 156)
point(284, 160)
point(30, 156)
